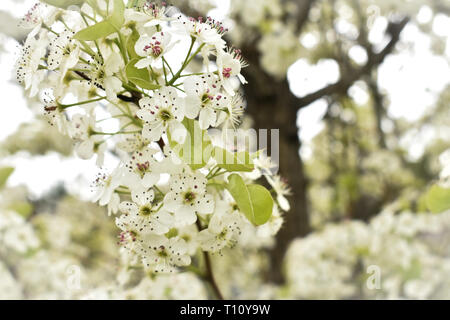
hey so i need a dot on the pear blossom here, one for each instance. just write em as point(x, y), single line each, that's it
point(54, 113)
point(223, 230)
point(64, 52)
point(102, 74)
point(161, 113)
point(105, 184)
point(88, 142)
point(152, 48)
point(282, 189)
point(230, 65)
point(141, 168)
point(187, 197)
point(204, 99)
point(39, 13)
point(209, 32)
point(166, 207)
point(143, 213)
point(133, 143)
point(164, 255)
point(27, 66)
point(156, 14)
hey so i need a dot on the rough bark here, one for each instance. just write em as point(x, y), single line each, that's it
point(271, 105)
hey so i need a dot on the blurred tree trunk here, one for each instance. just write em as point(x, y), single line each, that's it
point(271, 105)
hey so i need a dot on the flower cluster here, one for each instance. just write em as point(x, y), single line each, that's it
point(396, 256)
point(130, 67)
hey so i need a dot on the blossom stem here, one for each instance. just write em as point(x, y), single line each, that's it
point(65, 106)
point(191, 74)
point(187, 60)
point(131, 88)
point(49, 29)
point(114, 133)
point(209, 275)
point(168, 66)
point(158, 189)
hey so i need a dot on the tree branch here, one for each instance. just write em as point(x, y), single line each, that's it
point(209, 276)
point(374, 60)
point(303, 9)
point(378, 108)
point(134, 98)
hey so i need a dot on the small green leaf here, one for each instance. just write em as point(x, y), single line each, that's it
point(240, 161)
point(253, 200)
point(131, 41)
point(23, 208)
point(64, 4)
point(438, 199)
point(5, 172)
point(96, 31)
point(196, 149)
point(139, 77)
point(172, 233)
point(117, 19)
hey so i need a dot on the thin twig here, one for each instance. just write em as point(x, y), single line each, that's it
point(209, 276)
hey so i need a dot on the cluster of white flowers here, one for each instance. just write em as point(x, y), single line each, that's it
point(37, 138)
point(69, 252)
point(16, 234)
point(279, 46)
point(113, 65)
point(395, 256)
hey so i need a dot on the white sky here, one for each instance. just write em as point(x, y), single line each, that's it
point(411, 78)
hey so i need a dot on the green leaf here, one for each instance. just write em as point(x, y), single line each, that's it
point(240, 161)
point(253, 200)
point(117, 19)
point(139, 77)
point(5, 172)
point(131, 41)
point(438, 199)
point(96, 31)
point(64, 4)
point(21, 207)
point(196, 149)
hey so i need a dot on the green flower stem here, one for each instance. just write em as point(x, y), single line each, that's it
point(49, 29)
point(209, 276)
point(168, 65)
point(192, 74)
point(187, 60)
point(131, 88)
point(65, 106)
point(113, 133)
point(158, 189)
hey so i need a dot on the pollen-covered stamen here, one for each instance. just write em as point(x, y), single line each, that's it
point(102, 180)
point(235, 110)
point(161, 251)
point(33, 15)
point(143, 167)
point(237, 55)
point(153, 10)
point(127, 237)
point(206, 98)
point(165, 115)
point(53, 111)
point(145, 210)
point(216, 25)
point(226, 72)
point(23, 63)
point(189, 197)
point(52, 108)
point(154, 47)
